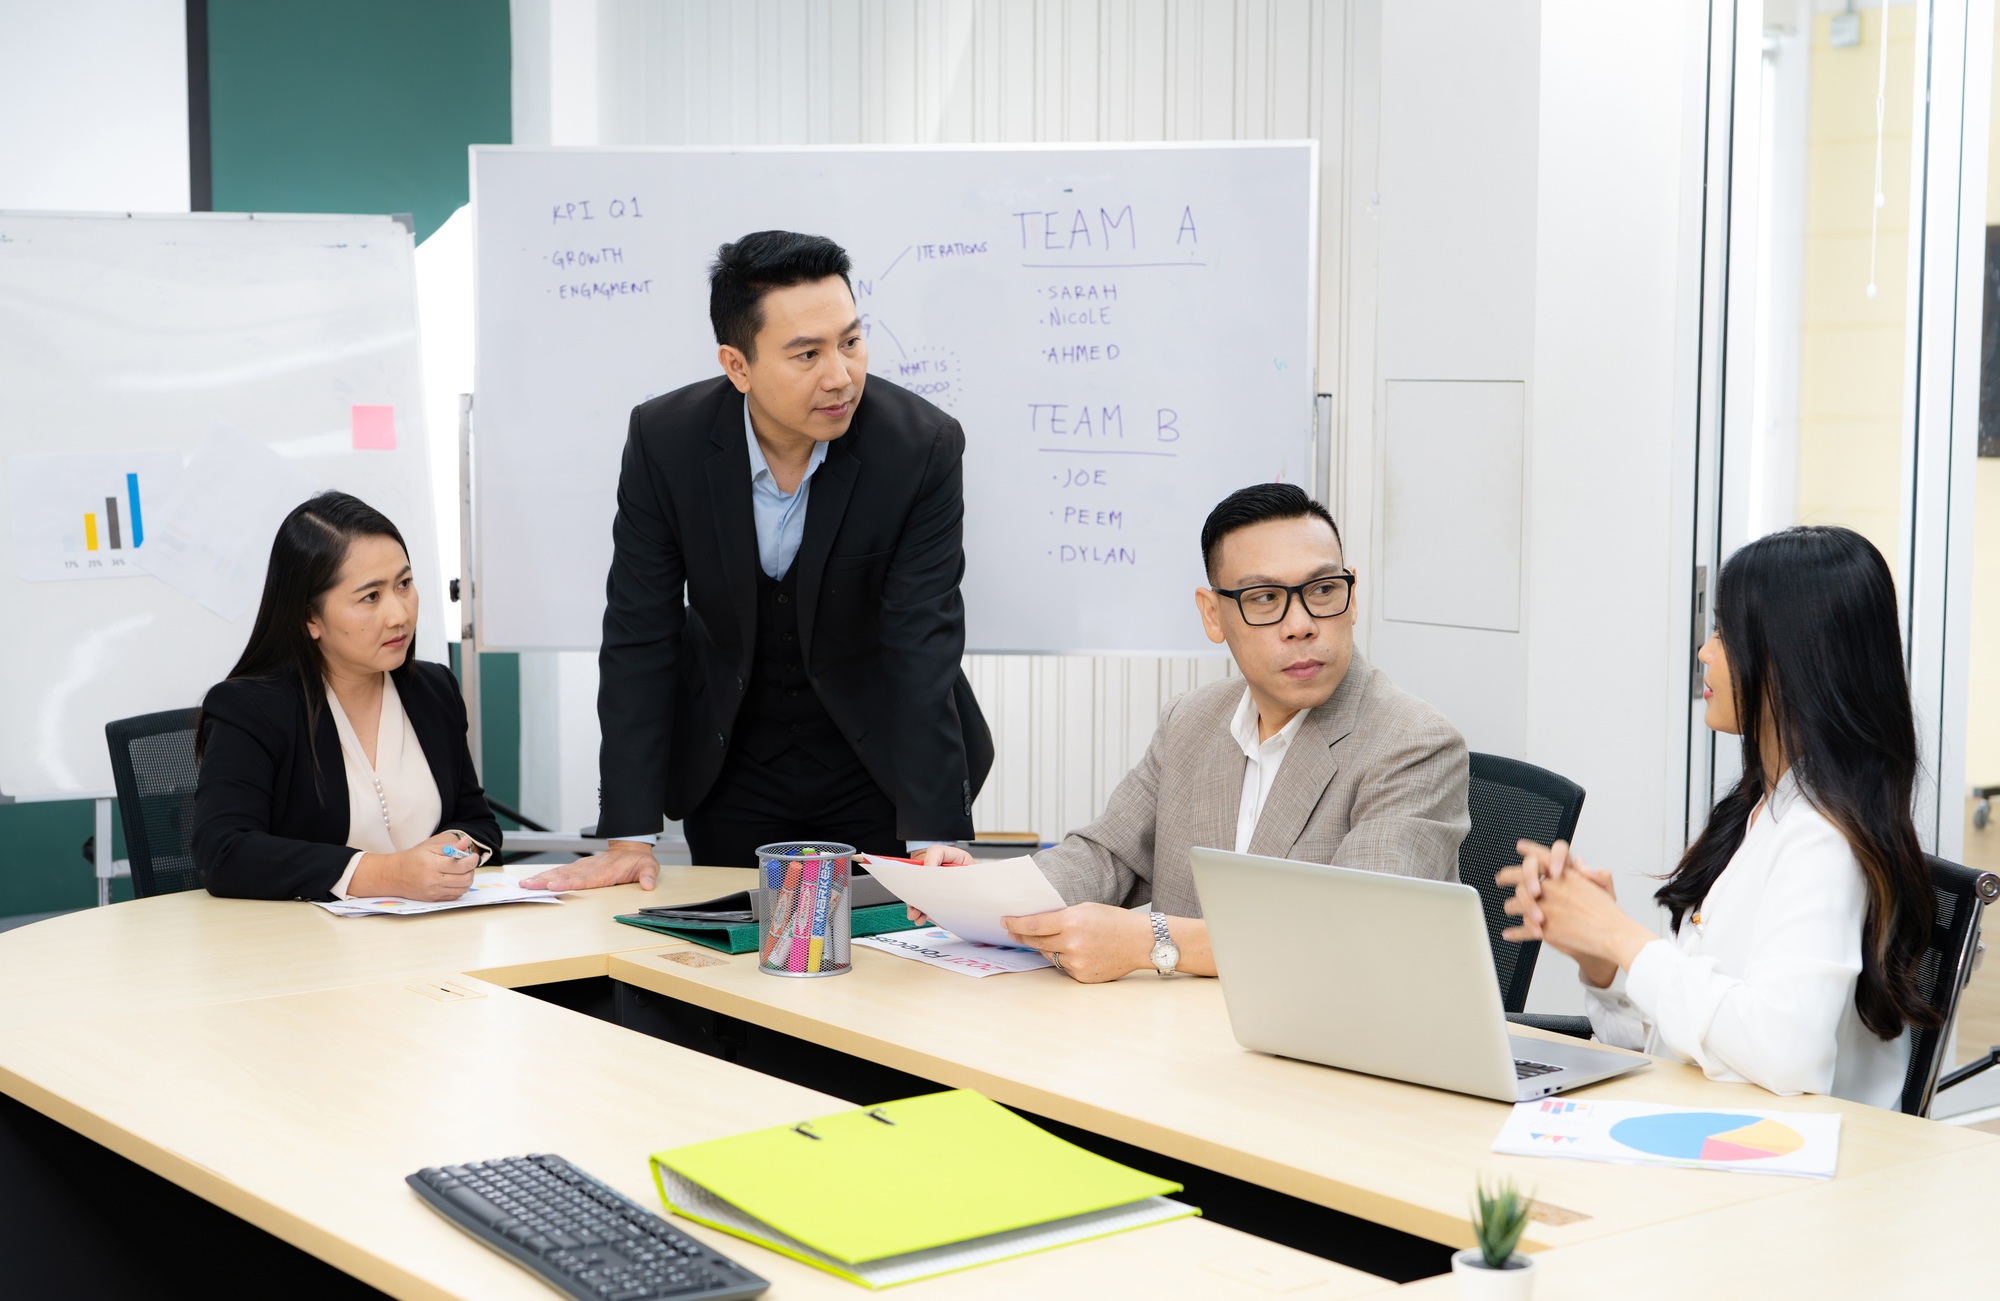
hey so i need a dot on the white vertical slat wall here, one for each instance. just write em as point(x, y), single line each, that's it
point(790, 72)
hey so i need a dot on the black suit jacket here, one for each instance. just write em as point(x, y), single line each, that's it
point(267, 826)
point(880, 618)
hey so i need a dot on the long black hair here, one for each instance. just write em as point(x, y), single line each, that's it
point(1808, 618)
point(306, 559)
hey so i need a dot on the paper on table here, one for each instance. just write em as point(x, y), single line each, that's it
point(940, 948)
point(970, 901)
point(498, 889)
point(1804, 1143)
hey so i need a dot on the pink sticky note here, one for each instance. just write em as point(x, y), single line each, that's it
point(374, 428)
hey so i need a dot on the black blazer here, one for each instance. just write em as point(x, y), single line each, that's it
point(880, 618)
point(266, 826)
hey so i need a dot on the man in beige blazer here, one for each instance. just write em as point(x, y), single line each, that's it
point(1311, 754)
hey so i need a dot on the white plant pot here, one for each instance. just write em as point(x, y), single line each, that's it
point(1478, 1283)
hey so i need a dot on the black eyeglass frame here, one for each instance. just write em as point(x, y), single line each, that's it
point(1295, 592)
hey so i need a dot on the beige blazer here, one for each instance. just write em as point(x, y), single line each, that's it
point(1375, 779)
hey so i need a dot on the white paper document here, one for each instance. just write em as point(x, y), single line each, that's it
point(937, 947)
point(970, 901)
point(494, 889)
point(1803, 1143)
point(210, 538)
point(86, 515)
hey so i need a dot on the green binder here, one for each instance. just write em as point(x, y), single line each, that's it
point(741, 937)
point(909, 1189)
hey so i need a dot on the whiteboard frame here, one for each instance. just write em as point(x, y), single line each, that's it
point(1320, 433)
point(106, 869)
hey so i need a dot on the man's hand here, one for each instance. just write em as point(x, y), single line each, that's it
point(623, 862)
point(423, 872)
point(939, 855)
point(1091, 942)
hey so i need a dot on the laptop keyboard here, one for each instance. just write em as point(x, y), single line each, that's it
point(1527, 1070)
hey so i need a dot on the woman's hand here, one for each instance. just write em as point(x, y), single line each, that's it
point(1090, 942)
point(623, 862)
point(1574, 908)
point(422, 872)
point(939, 855)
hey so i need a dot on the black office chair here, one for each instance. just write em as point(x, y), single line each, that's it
point(1942, 974)
point(1510, 801)
point(153, 767)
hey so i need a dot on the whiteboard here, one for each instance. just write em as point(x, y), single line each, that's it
point(1125, 332)
point(129, 343)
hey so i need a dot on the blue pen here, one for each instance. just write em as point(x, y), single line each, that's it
point(453, 851)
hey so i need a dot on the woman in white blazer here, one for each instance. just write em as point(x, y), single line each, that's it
point(1800, 911)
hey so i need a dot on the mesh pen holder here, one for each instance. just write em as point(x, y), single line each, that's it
point(804, 925)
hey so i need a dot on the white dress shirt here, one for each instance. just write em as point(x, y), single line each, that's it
point(1758, 984)
point(1260, 768)
point(393, 803)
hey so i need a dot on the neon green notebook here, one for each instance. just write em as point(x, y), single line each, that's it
point(909, 1189)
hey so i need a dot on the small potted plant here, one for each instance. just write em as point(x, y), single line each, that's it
point(1493, 1270)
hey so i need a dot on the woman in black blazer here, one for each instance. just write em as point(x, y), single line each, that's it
point(334, 763)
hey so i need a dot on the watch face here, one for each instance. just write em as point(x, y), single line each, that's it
point(1165, 955)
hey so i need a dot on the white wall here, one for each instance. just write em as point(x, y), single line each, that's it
point(1456, 314)
point(1606, 670)
point(93, 105)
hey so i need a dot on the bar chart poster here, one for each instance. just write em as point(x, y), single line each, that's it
point(81, 517)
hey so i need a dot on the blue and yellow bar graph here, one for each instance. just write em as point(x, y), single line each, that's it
point(113, 538)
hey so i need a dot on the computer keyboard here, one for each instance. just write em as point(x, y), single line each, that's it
point(587, 1239)
point(1527, 1070)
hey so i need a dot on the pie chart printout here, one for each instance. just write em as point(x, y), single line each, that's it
point(1708, 1136)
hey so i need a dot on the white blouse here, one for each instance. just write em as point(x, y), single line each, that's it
point(1758, 984)
point(393, 803)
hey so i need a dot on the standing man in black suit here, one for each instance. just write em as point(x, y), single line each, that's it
point(783, 626)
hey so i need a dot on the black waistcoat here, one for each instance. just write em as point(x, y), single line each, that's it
point(781, 711)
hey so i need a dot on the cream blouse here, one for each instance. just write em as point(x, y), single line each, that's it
point(392, 804)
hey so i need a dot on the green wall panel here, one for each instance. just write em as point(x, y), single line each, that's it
point(334, 106)
point(354, 105)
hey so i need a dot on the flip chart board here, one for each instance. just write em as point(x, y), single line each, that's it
point(1125, 332)
point(170, 387)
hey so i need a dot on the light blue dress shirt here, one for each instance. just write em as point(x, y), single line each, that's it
point(781, 517)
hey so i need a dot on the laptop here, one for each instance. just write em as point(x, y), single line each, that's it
point(1386, 975)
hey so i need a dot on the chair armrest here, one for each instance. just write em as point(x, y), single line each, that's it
point(1576, 1027)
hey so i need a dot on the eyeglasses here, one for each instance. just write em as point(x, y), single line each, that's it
point(1324, 598)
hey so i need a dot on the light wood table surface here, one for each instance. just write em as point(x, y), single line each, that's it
point(292, 1066)
point(1923, 1229)
point(179, 949)
point(303, 1113)
point(1153, 1063)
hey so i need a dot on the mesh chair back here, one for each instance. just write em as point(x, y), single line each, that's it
point(1943, 969)
point(1509, 801)
point(153, 767)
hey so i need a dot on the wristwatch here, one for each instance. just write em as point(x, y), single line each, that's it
point(1166, 954)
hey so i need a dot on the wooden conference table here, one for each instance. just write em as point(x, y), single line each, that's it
point(290, 1067)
